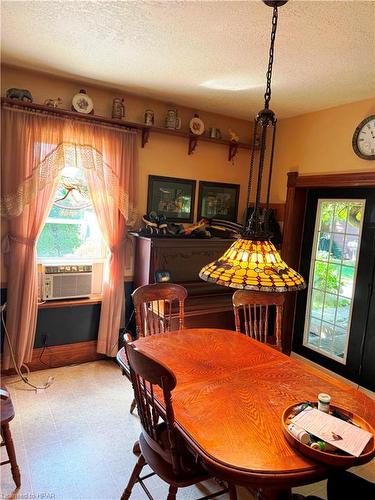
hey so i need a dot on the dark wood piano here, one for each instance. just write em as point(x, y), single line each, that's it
point(207, 305)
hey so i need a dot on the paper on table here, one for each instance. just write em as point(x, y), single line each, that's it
point(343, 435)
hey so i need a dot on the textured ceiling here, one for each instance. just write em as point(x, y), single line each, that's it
point(178, 50)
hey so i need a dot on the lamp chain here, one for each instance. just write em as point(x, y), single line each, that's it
point(251, 166)
point(267, 95)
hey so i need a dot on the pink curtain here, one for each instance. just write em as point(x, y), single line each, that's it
point(26, 141)
point(35, 148)
point(121, 155)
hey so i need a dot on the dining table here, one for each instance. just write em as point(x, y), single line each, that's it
point(229, 400)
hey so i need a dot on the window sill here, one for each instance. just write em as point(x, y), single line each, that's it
point(54, 304)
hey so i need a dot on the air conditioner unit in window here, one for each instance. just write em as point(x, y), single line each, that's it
point(66, 282)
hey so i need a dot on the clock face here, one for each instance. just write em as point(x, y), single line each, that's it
point(364, 139)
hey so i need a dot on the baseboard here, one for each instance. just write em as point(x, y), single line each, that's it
point(61, 355)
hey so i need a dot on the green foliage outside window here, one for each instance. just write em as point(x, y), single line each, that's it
point(342, 211)
point(58, 240)
point(327, 279)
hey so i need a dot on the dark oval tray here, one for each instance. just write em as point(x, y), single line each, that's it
point(331, 458)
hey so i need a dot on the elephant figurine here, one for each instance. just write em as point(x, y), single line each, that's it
point(20, 94)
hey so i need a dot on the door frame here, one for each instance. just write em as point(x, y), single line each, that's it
point(296, 200)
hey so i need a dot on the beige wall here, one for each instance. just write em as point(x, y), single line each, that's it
point(319, 143)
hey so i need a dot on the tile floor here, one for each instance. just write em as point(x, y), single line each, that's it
point(74, 440)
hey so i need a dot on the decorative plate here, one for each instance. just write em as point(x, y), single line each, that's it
point(196, 126)
point(331, 458)
point(82, 103)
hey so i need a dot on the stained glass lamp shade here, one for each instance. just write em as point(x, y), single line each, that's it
point(252, 262)
point(253, 265)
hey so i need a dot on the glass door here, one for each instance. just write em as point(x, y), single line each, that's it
point(338, 260)
point(333, 271)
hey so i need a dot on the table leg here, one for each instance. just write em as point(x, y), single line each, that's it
point(7, 436)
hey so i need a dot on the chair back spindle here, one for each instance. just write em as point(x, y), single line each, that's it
point(254, 309)
point(148, 376)
point(154, 307)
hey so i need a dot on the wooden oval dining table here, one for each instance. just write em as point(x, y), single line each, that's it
point(230, 395)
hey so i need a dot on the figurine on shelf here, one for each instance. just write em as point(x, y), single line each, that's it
point(214, 133)
point(20, 94)
point(233, 137)
point(198, 228)
point(149, 117)
point(54, 103)
point(118, 109)
point(172, 120)
point(154, 224)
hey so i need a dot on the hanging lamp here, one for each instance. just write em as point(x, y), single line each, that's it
point(252, 262)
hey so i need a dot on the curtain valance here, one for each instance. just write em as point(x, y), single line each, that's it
point(36, 147)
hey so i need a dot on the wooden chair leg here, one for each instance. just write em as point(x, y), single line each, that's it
point(133, 478)
point(132, 406)
point(172, 492)
point(8, 441)
point(232, 491)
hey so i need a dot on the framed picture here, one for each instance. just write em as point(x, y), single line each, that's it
point(171, 197)
point(218, 200)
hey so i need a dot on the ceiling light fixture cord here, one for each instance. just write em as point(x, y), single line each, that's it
point(267, 95)
point(267, 98)
point(256, 219)
point(271, 164)
point(257, 227)
point(251, 166)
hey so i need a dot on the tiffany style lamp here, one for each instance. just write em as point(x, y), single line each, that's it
point(252, 262)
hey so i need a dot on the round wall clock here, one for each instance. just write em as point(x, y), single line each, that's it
point(364, 139)
point(82, 103)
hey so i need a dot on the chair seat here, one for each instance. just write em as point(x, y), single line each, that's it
point(193, 474)
point(7, 410)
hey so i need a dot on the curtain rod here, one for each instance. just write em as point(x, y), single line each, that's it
point(65, 114)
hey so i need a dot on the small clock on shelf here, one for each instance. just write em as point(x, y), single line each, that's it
point(364, 139)
point(82, 103)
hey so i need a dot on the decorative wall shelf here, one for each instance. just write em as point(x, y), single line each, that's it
point(145, 130)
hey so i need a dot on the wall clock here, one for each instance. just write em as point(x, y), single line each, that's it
point(364, 139)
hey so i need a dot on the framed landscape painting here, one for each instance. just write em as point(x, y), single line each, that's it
point(172, 197)
point(218, 200)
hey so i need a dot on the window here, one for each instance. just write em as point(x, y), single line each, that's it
point(71, 232)
point(333, 272)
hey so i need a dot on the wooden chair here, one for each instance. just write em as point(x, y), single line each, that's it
point(7, 414)
point(255, 307)
point(161, 446)
point(153, 309)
